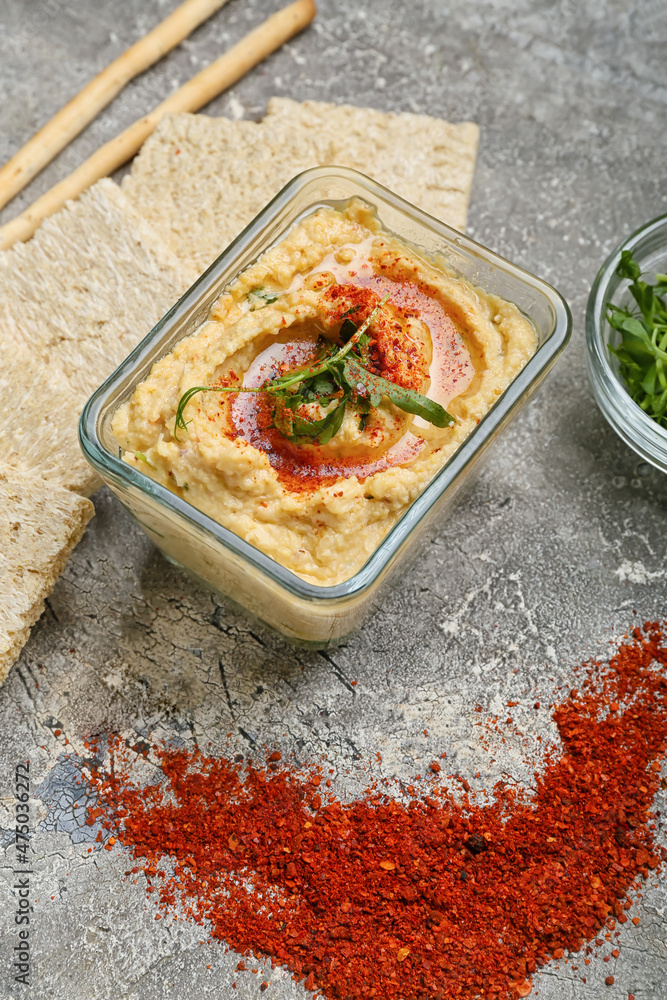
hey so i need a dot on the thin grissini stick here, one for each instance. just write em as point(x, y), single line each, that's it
point(81, 110)
point(201, 89)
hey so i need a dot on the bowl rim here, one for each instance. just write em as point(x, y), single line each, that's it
point(389, 548)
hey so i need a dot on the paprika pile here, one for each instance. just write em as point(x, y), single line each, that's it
point(394, 900)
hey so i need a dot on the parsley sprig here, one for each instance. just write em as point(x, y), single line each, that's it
point(642, 351)
point(341, 376)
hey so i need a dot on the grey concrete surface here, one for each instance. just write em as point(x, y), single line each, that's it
point(561, 539)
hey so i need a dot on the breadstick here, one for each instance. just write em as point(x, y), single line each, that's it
point(201, 89)
point(81, 110)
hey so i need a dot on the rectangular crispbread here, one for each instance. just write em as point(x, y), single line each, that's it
point(200, 180)
point(73, 302)
point(38, 421)
point(39, 526)
point(426, 160)
point(87, 287)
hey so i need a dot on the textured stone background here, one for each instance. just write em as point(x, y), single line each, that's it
point(562, 537)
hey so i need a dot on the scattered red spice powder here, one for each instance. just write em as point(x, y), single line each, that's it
point(433, 897)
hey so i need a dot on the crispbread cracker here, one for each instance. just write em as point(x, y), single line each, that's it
point(200, 180)
point(426, 160)
point(89, 285)
point(39, 526)
point(38, 422)
point(73, 302)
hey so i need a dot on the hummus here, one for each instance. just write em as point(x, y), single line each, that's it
point(320, 508)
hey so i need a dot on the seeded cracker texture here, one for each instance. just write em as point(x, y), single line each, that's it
point(199, 181)
point(89, 285)
point(73, 302)
point(426, 160)
point(38, 422)
point(39, 526)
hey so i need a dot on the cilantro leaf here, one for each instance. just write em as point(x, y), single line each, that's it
point(628, 267)
point(347, 330)
point(301, 429)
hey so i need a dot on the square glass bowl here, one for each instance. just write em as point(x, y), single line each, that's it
point(305, 612)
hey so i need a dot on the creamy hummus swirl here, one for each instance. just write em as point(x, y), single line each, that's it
point(321, 510)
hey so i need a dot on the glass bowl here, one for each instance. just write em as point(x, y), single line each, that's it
point(301, 611)
point(639, 431)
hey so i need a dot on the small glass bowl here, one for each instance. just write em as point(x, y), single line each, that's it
point(304, 612)
point(639, 431)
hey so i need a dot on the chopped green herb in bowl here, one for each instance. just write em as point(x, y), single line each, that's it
point(642, 348)
point(626, 341)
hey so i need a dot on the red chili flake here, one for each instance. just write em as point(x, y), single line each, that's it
point(315, 894)
point(476, 844)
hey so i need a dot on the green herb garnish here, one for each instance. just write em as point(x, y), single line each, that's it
point(257, 298)
point(642, 352)
point(339, 376)
point(374, 388)
point(303, 429)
